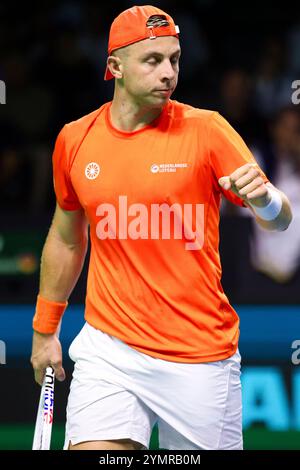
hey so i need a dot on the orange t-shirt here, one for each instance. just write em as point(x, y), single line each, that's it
point(152, 200)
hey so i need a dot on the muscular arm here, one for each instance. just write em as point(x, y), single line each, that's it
point(63, 254)
point(61, 264)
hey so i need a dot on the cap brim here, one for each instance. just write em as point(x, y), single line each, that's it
point(108, 75)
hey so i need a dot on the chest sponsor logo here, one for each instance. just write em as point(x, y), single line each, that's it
point(167, 167)
point(92, 170)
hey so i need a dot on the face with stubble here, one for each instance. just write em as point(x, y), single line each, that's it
point(148, 70)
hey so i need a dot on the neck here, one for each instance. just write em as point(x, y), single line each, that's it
point(129, 116)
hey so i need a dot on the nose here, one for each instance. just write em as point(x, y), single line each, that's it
point(167, 71)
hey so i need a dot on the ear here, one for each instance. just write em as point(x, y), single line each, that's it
point(115, 66)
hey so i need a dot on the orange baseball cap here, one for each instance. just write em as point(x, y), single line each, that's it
point(138, 23)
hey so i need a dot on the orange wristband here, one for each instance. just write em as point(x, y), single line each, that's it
point(47, 315)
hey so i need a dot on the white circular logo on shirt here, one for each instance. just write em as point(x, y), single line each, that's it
point(154, 168)
point(92, 170)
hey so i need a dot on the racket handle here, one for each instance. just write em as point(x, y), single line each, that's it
point(44, 419)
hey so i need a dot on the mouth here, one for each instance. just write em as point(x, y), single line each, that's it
point(164, 91)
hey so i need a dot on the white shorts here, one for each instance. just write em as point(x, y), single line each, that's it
point(118, 392)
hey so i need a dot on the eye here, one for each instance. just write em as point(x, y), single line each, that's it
point(175, 60)
point(152, 61)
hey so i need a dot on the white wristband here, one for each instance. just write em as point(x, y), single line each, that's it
point(271, 210)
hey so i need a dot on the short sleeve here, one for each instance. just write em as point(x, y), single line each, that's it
point(228, 152)
point(64, 191)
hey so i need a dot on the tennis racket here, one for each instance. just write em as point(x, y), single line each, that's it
point(44, 418)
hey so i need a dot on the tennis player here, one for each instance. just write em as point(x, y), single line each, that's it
point(146, 174)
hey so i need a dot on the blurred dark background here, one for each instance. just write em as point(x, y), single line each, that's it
point(238, 59)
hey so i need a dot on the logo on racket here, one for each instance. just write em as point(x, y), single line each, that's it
point(92, 170)
point(48, 417)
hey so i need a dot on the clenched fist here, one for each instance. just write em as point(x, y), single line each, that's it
point(247, 183)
